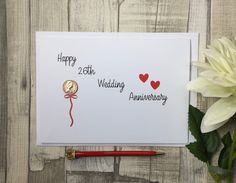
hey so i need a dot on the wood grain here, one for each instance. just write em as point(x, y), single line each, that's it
point(222, 24)
point(137, 15)
point(3, 91)
point(96, 164)
point(18, 78)
point(165, 168)
point(100, 177)
point(52, 172)
point(160, 16)
point(191, 169)
point(89, 177)
point(172, 16)
point(223, 18)
point(19, 20)
point(92, 16)
point(138, 167)
point(45, 16)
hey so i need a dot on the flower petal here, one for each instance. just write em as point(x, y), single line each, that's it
point(202, 65)
point(230, 49)
point(206, 129)
point(208, 89)
point(219, 112)
point(218, 61)
point(219, 79)
point(214, 64)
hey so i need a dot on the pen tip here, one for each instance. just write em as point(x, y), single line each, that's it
point(160, 153)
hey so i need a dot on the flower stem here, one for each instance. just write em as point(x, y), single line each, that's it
point(228, 180)
point(231, 155)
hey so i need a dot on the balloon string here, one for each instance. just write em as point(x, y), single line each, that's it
point(71, 117)
point(73, 96)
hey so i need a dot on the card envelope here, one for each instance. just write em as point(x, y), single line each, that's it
point(131, 88)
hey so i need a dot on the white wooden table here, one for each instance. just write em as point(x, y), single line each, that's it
point(21, 161)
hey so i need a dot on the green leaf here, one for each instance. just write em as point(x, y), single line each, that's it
point(232, 151)
point(224, 158)
point(198, 151)
point(234, 156)
point(224, 154)
point(207, 143)
point(194, 122)
point(219, 171)
point(227, 140)
point(212, 141)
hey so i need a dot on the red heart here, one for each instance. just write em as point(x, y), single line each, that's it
point(143, 77)
point(155, 84)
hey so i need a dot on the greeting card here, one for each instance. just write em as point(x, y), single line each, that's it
point(113, 88)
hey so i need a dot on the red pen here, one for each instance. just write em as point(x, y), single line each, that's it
point(74, 154)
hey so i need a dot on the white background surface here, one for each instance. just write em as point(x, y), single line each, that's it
point(104, 115)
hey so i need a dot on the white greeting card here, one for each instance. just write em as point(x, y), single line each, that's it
point(113, 88)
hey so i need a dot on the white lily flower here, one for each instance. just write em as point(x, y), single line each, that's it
point(218, 79)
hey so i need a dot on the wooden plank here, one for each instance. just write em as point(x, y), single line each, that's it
point(3, 91)
point(203, 21)
point(154, 169)
point(199, 20)
point(223, 18)
point(172, 16)
point(89, 177)
point(165, 168)
point(96, 164)
point(153, 16)
point(52, 172)
point(191, 169)
point(92, 16)
point(223, 24)
point(138, 167)
point(18, 78)
point(98, 177)
point(170, 177)
point(137, 15)
point(131, 181)
point(45, 16)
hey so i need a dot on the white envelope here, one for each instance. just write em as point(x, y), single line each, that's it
point(131, 88)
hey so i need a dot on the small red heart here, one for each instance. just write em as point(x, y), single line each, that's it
point(155, 84)
point(143, 77)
